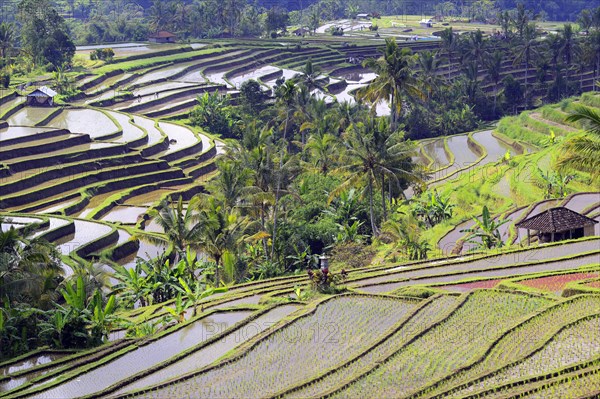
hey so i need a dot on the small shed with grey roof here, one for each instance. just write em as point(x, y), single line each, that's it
point(41, 96)
point(557, 224)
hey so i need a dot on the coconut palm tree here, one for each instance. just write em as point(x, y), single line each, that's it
point(30, 268)
point(570, 48)
point(323, 148)
point(429, 66)
point(449, 44)
point(222, 232)
point(582, 152)
point(396, 81)
point(309, 76)
point(7, 38)
point(526, 51)
point(374, 153)
point(181, 226)
point(493, 66)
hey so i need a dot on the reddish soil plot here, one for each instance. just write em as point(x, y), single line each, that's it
point(594, 284)
point(466, 287)
point(557, 283)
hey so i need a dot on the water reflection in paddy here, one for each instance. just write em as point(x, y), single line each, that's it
point(146, 356)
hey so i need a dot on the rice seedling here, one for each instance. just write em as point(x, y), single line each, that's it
point(464, 334)
point(338, 329)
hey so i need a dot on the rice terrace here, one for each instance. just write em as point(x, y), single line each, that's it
point(300, 199)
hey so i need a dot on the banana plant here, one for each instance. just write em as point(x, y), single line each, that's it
point(103, 316)
point(486, 230)
point(197, 292)
point(180, 307)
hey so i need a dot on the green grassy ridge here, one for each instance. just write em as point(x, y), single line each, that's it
point(271, 59)
point(520, 324)
point(214, 339)
point(474, 301)
point(463, 299)
point(114, 200)
point(539, 379)
point(580, 287)
point(129, 346)
point(591, 99)
point(43, 351)
point(320, 61)
point(313, 56)
point(30, 149)
point(110, 185)
point(515, 277)
point(7, 97)
point(20, 165)
point(65, 364)
point(357, 358)
point(13, 110)
point(180, 93)
point(515, 283)
point(51, 133)
point(49, 117)
point(542, 341)
point(91, 175)
point(257, 55)
point(86, 250)
point(133, 65)
point(541, 127)
point(512, 127)
point(525, 181)
point(197, 66)
point(416, 279)
point(246, 347)
point(585, 375)
point(473, 144)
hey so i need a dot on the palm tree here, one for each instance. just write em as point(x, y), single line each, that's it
point(582, 152)
point(522, 19)
point(526, 51)
point(396, 81)
point(323, 148)
point(494, 68)
point(30, 268)
point(310, 76)
point(7, 38)
point(222, 232)
point(476, 46)
point(429, 66)
point(449, 43)
point(570, 48)
point(374, 153)
point(231, 184)
point(180, 225)
point(160, 15)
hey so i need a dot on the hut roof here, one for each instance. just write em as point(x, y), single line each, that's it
point(43, 91)
point(163, 34)
point(555, 220)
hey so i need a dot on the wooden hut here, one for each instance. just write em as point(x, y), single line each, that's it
point(557, 224)
point(42, 96)
point(162, 37)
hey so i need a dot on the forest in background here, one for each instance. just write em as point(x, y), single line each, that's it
point(92, 21)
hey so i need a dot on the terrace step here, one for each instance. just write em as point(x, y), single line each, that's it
point(21, 181)
point(21, 134)
point(42, 146)
point(107, 186)
point(87, 151)
point(64, 184)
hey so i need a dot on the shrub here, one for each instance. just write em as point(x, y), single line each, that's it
point(351, 255)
